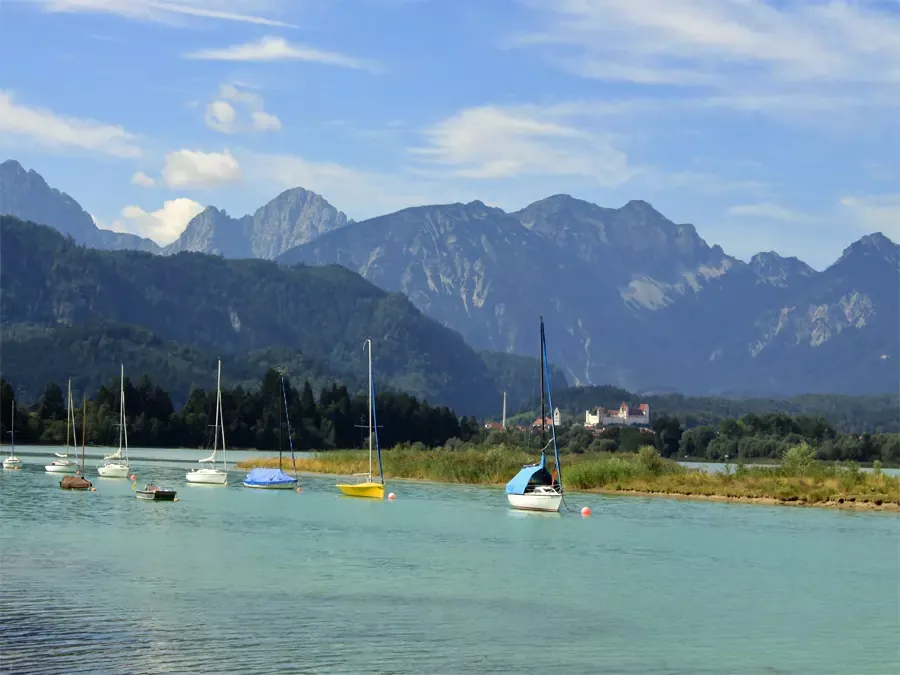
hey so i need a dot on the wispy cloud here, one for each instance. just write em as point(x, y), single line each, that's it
point(491, 142)
point(705, 41)
point(142, 179)
point(167, 12)
point(198, 169)
point(359, 193)
point(769, 211)
point(271, 48)
point(874, 213)
point(24, 123)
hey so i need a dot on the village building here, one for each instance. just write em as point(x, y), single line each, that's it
point(625, 416)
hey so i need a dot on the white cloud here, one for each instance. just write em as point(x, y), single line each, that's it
point(142, 179)
point(197, 169)
point(222, 116)
point(271, 48)
point(167, 12)
point(263, 121)
point(769, 211)
point(163, 225)
point(875, 213)
point(46, 128)
point(491, 142)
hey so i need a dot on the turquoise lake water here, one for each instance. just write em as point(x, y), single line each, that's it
point(445, 579)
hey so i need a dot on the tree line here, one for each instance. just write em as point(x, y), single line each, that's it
point(333, 418)
point(751, 436)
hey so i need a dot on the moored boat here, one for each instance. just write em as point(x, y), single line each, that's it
point(534, 488)
point(152, 492)
point(116, 465)
point(210, 475)
point(364, 484)
point(63, 463)
point(269, 479)
point(78, 481)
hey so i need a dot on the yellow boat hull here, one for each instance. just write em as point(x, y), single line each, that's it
point(370, 490)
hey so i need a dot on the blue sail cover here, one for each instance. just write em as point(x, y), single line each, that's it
point(520, 481)
point(268, 477)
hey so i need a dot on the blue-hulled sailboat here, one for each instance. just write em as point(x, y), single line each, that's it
point(534, 487)
point(275, 479)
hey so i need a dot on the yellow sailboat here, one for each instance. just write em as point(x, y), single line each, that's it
point(364, 484)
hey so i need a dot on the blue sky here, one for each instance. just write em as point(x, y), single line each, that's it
point(769, 125)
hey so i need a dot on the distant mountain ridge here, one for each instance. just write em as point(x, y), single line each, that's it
point(26, 195)
point(294, 217)
point(631, 298)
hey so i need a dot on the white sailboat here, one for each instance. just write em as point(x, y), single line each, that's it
point(116, 465)
point(11, 461)
point(63, 464)
point(535, 488)
point(211, 475)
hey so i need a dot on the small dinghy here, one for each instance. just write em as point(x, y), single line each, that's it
point(74, 483)
point(152, 492)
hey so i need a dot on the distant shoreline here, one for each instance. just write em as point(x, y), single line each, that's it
point(642, 475)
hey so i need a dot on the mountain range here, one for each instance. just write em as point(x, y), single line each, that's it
point(630, 298)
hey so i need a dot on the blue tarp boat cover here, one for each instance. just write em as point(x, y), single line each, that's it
point(520, 481)
point(268, 477)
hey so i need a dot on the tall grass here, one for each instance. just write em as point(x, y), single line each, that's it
point(799, 479)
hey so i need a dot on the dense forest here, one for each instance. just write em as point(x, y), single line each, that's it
point(65, 308)
point(333, 418)
point(877, 413)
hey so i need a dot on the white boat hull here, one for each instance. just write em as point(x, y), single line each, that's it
point(276, 486)
point(113, 470)
point(12, 463)
point(61, 467)
point(535, 501)
point(207, 477)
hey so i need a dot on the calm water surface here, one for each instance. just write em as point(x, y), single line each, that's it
point(443, 580)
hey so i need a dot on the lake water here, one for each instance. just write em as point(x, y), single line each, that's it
point(445, 579)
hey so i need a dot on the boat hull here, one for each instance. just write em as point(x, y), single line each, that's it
point(12, 463)
point(113, 470)
point(366, 490)
point(61, 468)
point(535, 502)
point(273, 486)
point(207, 477)
point(156, 495)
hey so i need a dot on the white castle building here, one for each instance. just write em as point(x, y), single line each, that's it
point(624, 416)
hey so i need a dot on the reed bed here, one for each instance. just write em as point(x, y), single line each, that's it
point(794, 482)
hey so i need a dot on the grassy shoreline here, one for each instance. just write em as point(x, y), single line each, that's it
point(799, 482)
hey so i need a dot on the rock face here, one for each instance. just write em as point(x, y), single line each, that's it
point(26, 195)
point(294, 217)
point(633, 299)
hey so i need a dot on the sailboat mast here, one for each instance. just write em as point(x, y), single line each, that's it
point(220, 418)
point(503, 424)
point(68, 416)
point(121, 405)
point(279, 426)
point(550, 401)
point(12, 430)
point(83, 427)
point(216, 429)
point(543, 384)
point(369, 342)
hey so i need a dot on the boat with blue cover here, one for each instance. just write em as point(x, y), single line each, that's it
point(269, 479)
point(276, 479)
point(535, 488)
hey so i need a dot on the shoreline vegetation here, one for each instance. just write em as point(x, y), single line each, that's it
point(799, 481)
